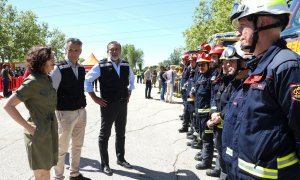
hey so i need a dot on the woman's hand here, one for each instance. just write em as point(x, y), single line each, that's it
point(31, 128)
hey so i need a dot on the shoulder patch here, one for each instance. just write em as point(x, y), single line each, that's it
point(124, 64)
point(105, 64)
point(295, 91)
point(64, 66)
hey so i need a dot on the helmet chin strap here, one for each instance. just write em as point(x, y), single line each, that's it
point(255, 35)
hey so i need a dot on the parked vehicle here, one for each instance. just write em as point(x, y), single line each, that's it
point(292, 31)
point(224, 39)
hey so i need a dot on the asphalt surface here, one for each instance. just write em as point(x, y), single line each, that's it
point(153, 145)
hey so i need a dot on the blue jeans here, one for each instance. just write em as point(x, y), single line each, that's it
point(163, 90)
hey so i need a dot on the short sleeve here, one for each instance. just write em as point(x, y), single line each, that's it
point(27, 90)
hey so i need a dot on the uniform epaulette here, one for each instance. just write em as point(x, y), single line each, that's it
point(284, 56)
point(104, 63)
point(63, 66)
point(124, 63)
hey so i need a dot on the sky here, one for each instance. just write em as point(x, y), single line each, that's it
point(156, 27)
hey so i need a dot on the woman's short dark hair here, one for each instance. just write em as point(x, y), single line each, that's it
point(37, 57)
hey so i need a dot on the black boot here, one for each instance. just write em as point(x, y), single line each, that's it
point(183, 129)
point(213, 172)
point(191, 132)
point(203, 165)
point(192, 142)
point(198, 145)
point(181, 117)
point(198, 157)
point(191, 137)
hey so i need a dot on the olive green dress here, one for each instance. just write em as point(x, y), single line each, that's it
point(39, 98)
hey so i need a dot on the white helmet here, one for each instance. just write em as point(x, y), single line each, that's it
point(262, 7)
point(234, 52)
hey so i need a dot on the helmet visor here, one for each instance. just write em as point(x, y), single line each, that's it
point(238, 9)
point(230, 53)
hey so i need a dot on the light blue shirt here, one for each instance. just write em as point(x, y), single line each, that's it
point(95, 72)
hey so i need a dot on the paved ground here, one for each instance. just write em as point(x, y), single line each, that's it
point(153, 145)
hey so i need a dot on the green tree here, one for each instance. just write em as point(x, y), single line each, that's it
point(7, 16)
point(27, 33)
point(19, 31)
point(175, 56)
point(173, 59)
point(57, 41)
point(210, 17)
point(81, 60)
point(132, 55)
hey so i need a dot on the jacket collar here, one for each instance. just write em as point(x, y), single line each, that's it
point(269, 56)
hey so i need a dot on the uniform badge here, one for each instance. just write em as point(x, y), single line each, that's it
point(295, 91)
point(259, 86)
point(235, 103)
point(213, 78)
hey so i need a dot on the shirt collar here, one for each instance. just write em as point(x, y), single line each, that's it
point(71, 64)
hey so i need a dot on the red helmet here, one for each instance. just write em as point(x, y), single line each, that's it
point(203, 58)
point(217, 49)
point(185, 56)
point(193, 57)
point(204, 47)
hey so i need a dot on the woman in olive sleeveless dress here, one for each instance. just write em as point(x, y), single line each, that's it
point(39, 97)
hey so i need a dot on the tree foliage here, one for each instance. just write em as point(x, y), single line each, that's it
point(210, 17)
point(19, 31)
point(132, 55)
point(173, 59)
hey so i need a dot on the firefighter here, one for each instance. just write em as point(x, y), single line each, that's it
point(202, 94)
point(196, 142)
point(268, 138)
point(188, 106)
point(234, 70)
point(215, 54)
point(184, 77)
point(217, 75)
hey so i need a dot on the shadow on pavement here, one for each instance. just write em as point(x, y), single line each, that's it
point(153, 174)
point(85, 162)
point(144, 173)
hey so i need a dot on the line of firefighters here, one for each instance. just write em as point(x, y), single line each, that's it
point(244, 99)
point(209, 78)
